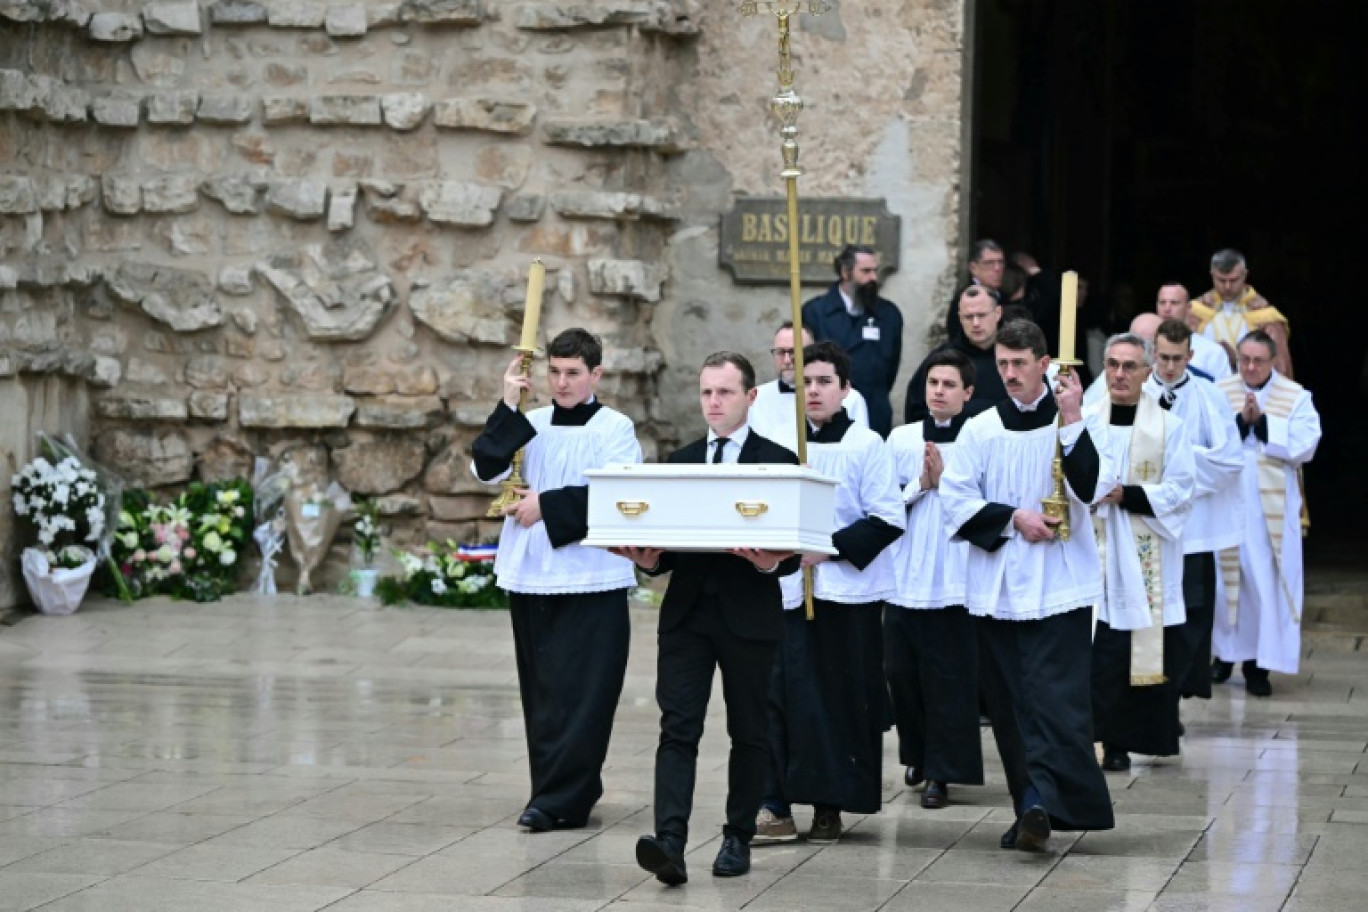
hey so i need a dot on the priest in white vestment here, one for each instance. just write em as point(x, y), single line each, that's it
point(1260, 623)
point(772, 415)
point(1139, 651)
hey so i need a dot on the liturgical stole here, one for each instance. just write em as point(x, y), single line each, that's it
point(1146, 467)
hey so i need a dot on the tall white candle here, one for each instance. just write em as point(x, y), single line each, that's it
point(536, 280)
point(1068, 315)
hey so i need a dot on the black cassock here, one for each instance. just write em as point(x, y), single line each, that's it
point(829, 704)
point(571, 649)
point(1199, 597)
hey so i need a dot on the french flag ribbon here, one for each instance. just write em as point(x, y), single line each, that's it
point(476, 552)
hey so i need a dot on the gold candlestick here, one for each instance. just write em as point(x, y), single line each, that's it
point(786, 106)
point(1056, 506)
point(526, 348)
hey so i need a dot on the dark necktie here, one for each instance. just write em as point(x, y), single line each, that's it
point(1170, 394)
point(717, 453)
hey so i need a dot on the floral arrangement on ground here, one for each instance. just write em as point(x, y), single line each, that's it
point(190, 548)
point(448, 576)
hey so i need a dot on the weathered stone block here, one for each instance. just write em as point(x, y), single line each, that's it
point(224, 459)
point(130, 404)
point(399, 412)
point(465, 308)
point(172, 107)
point(106, 373)
point(282, 109)
point(208, 406)
point(237, 12)
point(206, 372)
point(443, 12)
point(590, 204)
point(16, 92)
point(346, 21)
point(171, 193)
point(404, 110)
point(379, 466)
point(181, 298)
point(59, 102)
point(121, 195)
point(172, 17)
point(226, 109)
point(388, 204)
point(294, 410)
point(342, 207)
point(283, 75)
point(237, 193)
point(117, 110)
point(660, 135)
point(489, 114)
point(459, 203)
point(459, 507)
point(296, 14)
point(115, 27)
point(400, 505)
point(627, 278)
point(525, 207)
point(300, 199)
point(669, 16)
point(17, 196)
point(146, 459)
point(340, 297)
point(351, 110)
point(237, 280)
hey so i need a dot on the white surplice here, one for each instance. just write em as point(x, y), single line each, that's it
point(1217, 519)
point(862, 465)
point(1210, 357)
point(995, 465)
point(929, 568)
point(557, 458)
point(772, 413)
point(1125, 603)
point(1268, 626)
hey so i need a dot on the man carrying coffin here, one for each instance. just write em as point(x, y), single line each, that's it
point(1216, 521)
point(1279, 429)
point(773, 413)
point(568, 602)
point(720, 610)
point(1034, 592)
point(1139, 648)
point(828, 700)
point(930, 649)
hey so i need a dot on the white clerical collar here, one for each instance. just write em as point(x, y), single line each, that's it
point(1272, 375)
point(943, 424)
point(737, 436)
point(1034, 405)
point(850, 305)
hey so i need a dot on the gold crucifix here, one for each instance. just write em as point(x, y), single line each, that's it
point(1146, 471)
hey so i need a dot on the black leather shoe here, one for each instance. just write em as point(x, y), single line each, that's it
point(1256, 680)
point(536, 820)
point(913, 777)
point(1182, 729)
point(1221, 671)
point(1115, 760)
point(733, 859)
point(664, 858)
point(1008, 840)
point(1033, 830)
point(935, 796)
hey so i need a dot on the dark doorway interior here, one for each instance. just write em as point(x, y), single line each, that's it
point(1130, 139)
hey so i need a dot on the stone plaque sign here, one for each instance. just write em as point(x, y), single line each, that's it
point(754, 237)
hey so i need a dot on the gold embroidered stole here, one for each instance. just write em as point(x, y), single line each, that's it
point(1146, 467)
point(1282, 397)
point(1207, 311)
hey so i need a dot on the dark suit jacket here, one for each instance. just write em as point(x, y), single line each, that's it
point(750, 600)
point(873, 364)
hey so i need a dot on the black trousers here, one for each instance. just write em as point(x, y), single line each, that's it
point(684, 673)
point(931, 659)
point(572, 657)
point(1140, 719)
point(1036, 677)
point(1199, 597)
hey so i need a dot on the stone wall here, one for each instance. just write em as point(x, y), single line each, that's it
point(249, 227)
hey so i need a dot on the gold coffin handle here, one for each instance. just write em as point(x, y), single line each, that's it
point(632, 507)
point(752, 508)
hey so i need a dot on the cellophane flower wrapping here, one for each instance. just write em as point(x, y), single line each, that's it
point(269, 487)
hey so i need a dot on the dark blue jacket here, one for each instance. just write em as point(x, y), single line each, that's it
point(874, 364)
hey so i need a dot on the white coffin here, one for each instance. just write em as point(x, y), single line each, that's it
point(711, 507)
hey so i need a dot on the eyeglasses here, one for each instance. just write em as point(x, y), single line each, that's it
point(1128, 367)
point(782, 352)
point(1253, 362)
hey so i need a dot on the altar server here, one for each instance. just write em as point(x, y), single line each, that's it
point(1033, 592)
point(568, 602)
point(1139, 647)
point(1279, 429)
point(829, 702)
point(930, 648)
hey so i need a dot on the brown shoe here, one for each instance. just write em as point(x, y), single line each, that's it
point(771, 829)
point(826, 826)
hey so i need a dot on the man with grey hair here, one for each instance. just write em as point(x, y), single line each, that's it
point(1232, 309)
point(1139, 649)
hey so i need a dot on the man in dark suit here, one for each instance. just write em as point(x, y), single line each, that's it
point(721, 610)
point(868, 327)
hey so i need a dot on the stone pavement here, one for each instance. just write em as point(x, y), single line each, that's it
point(322, 753)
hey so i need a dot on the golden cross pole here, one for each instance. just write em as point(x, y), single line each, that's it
point(786, 106)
